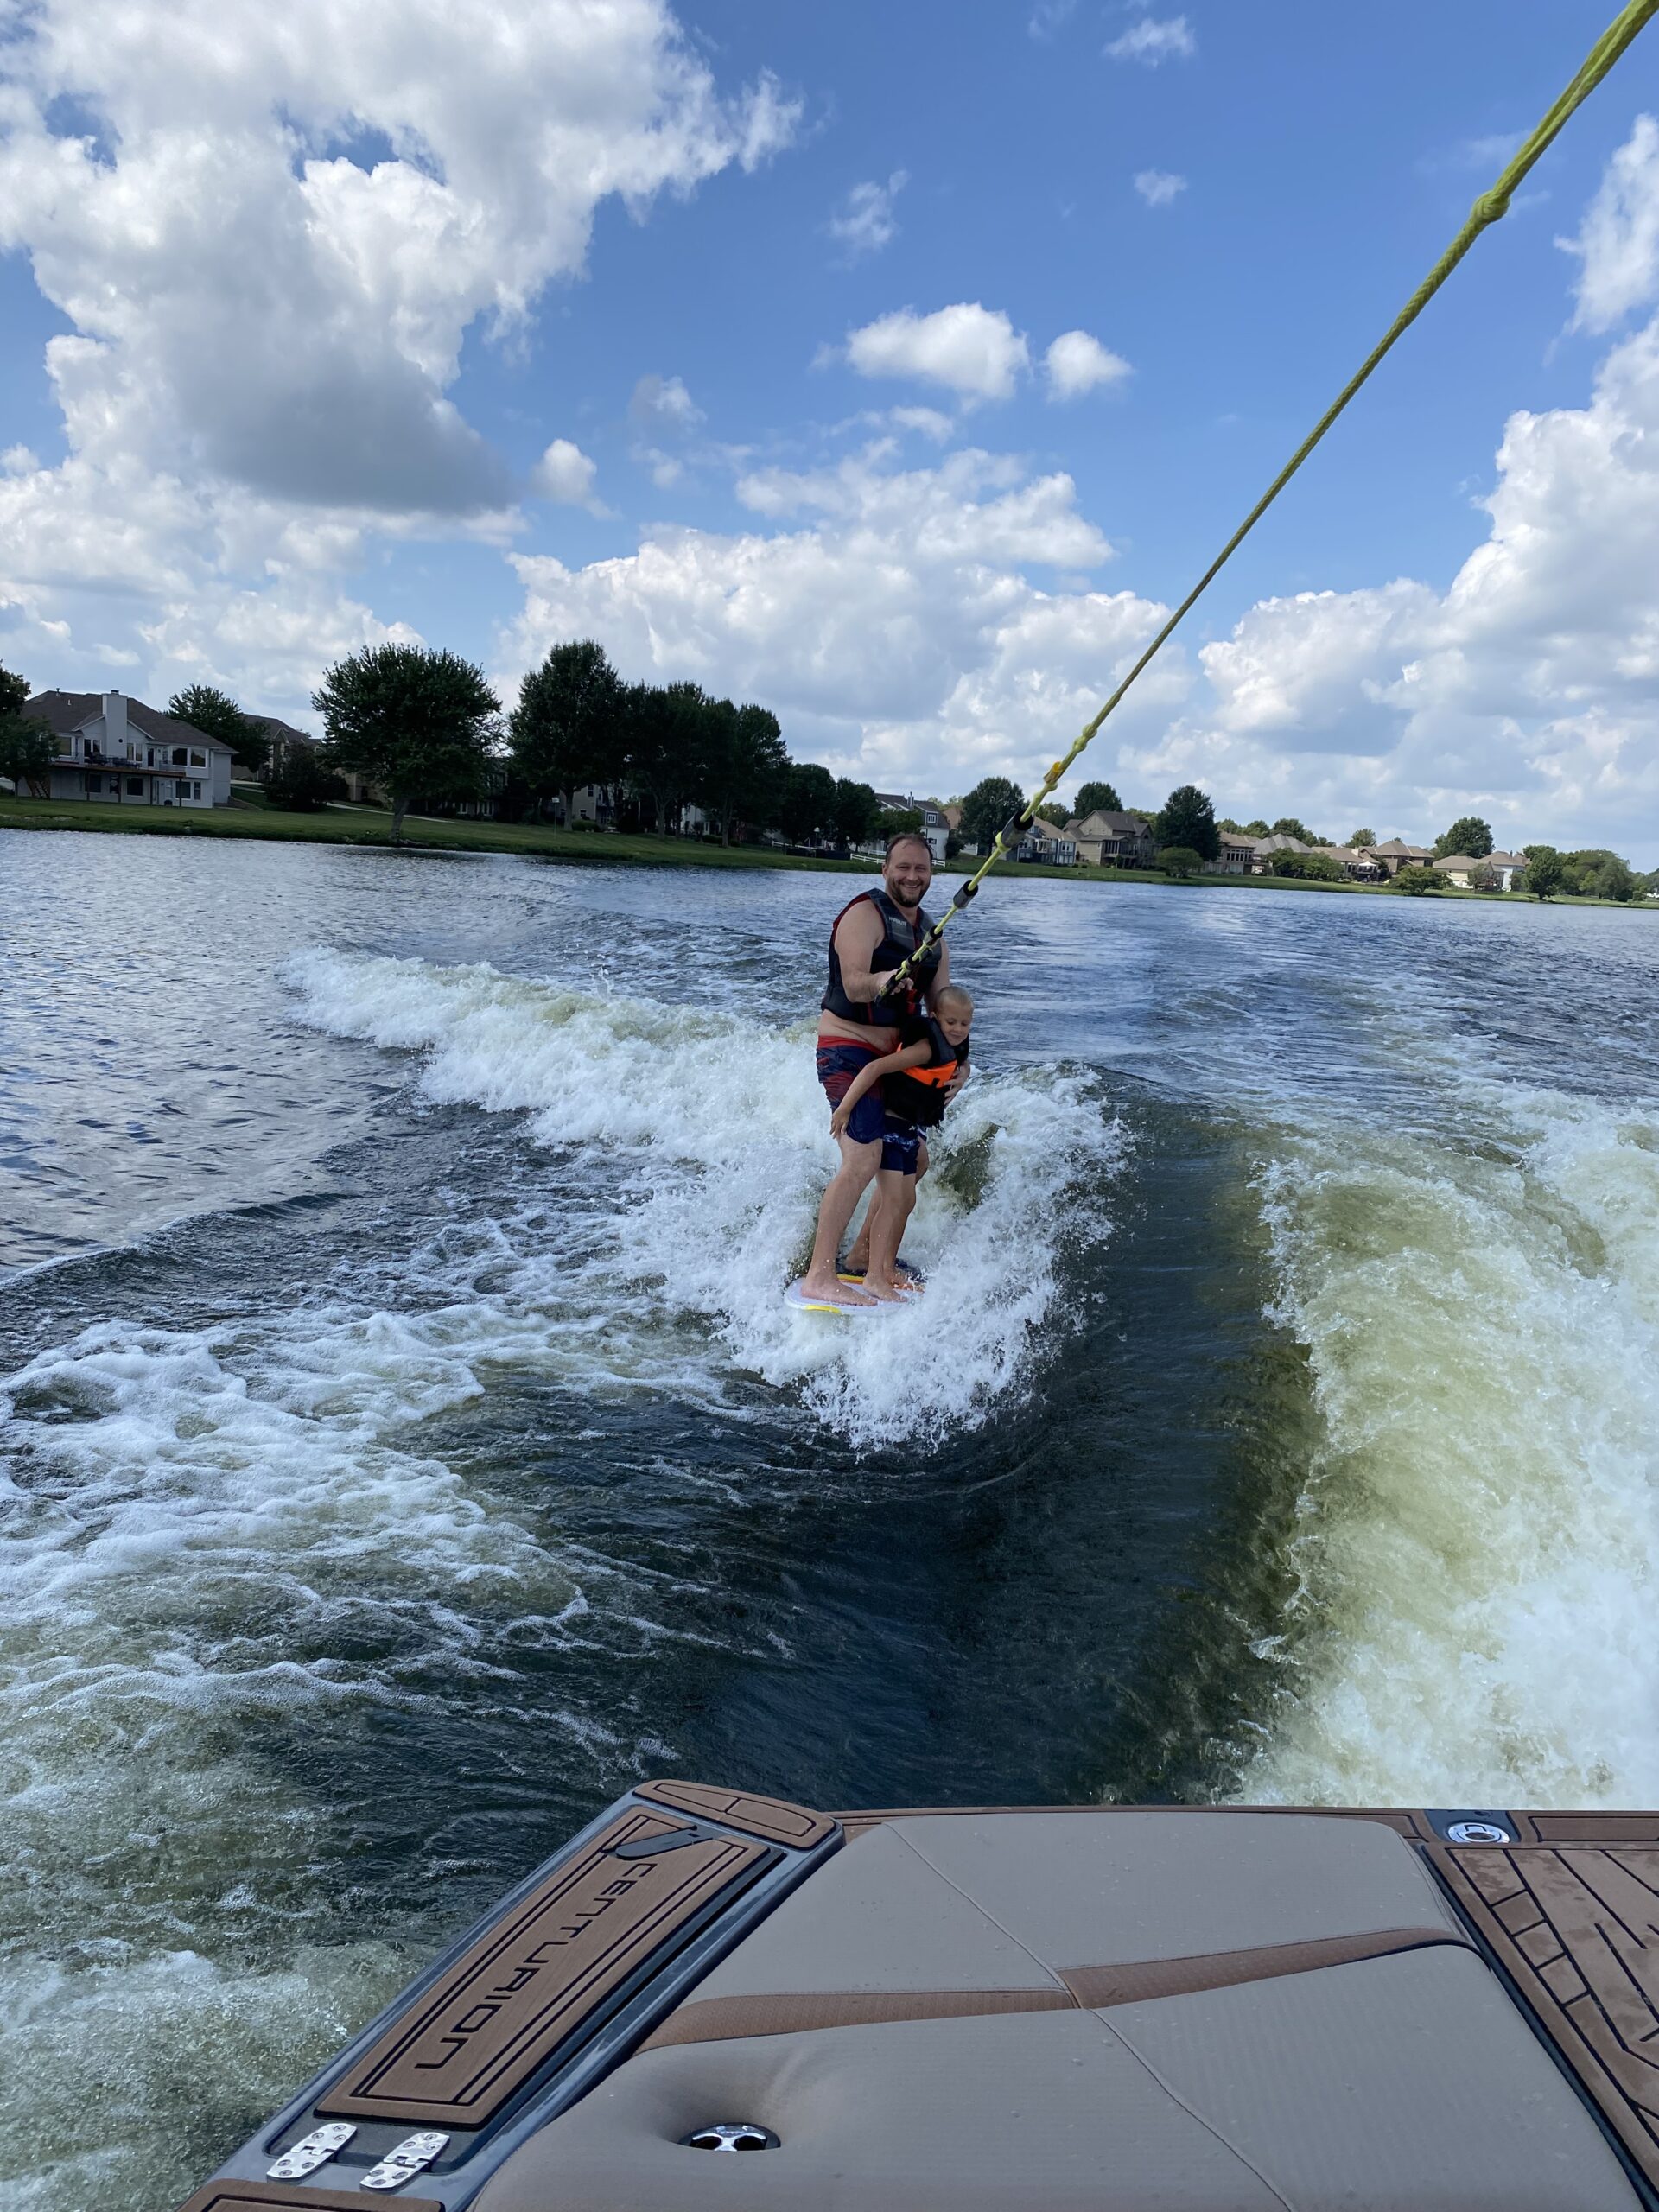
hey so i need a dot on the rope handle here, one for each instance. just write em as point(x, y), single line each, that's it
point(1490, 207)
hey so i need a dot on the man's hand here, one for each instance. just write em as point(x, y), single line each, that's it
point(839, 1119)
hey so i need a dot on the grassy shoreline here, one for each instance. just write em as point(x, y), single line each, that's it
point(362, 825)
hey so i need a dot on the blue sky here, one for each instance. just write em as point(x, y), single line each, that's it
point(318, 307)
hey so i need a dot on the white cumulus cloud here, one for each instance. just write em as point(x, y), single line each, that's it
point(1618, 243)
point(1076, 363)
point(274, 226)
point(1150, 41)
point(1159, 187)
point(269, 230)
point(888, 615)
point(564, 474)
point(864, 222)
point(972, 350)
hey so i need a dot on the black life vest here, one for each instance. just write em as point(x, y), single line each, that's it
point(899, 939)
point(917, 1094)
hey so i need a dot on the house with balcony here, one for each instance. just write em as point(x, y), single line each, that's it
point(121, 752)
point(1111, 840)
point(1042, 842)
point(1240, 855)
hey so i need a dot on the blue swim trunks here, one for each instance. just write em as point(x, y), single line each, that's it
point(900, 1141)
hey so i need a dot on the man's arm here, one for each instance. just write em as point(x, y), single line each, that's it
point(858, 937)
point(913, 1055)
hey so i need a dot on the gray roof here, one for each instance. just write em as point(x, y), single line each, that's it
point(1397, 850)
point(1104, 824)
point(274, 726)
point(65, 712)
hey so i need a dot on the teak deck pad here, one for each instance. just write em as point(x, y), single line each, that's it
point(1576, 1926)
point(464, 2047)
point(773, 1818)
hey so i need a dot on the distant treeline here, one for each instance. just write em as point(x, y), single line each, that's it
point(426, 728)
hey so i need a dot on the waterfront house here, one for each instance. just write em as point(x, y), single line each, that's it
point(1240, 855)
point(936, 827)
point(1043, 841)
point(282, 739)
point(1396, 855)
point(1356, 862)
point(1105, 839)
point(125, 753)
point(1463, 869)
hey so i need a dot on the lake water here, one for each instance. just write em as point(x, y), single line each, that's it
point(408, 1448)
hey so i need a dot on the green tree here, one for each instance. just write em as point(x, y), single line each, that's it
point(1257, 828)
point(570, 725)
point(1188, 818)
point(742, 766)
point(663, 745)
point(302, 782)
point(1097, 798)
point(1468, 834)
point(1594, 873)
point(808, 809)
point(28, 748)
point(1181, 861)
point(416, 722)
point(857, 810)
point(1053, 813)
point(1415, 879)
point(1362, 840)
point(1546, 872)
point(216, 715)
point(1289, 826)
point(988, 806)
point(1309, 867)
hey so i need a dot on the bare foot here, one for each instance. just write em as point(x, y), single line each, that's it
point(858, 1259)
point(884, 1289)
point(832, 1291)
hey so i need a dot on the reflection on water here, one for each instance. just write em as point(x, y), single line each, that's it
point(407, 1448)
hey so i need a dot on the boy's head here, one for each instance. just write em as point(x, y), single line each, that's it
point(953, 1009)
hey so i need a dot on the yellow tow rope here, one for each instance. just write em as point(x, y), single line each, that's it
point(1488, 208)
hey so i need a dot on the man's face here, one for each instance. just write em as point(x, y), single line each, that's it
point(908, 873)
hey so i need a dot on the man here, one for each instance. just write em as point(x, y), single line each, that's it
point(869, 938)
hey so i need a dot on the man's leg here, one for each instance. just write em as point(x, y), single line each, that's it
point(859, 1162)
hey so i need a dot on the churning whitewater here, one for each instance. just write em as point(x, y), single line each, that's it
point(708, 1128)
point(407, 1446)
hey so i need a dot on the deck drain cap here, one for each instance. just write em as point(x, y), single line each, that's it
point(730, 2135)
point(1477, 1831)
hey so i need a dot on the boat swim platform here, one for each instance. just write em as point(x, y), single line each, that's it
point(986, 2008)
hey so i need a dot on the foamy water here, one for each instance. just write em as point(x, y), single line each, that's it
point(710, 1129)
point(1477, 1620)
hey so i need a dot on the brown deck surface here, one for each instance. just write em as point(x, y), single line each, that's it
point(456, 2054)
point(1576, 1925)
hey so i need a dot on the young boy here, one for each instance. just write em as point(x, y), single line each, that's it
point(933, 1051)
